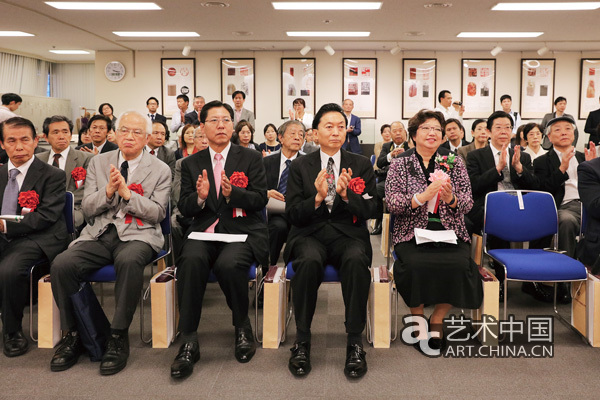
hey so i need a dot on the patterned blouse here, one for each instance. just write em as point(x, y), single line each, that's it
point(405, 178)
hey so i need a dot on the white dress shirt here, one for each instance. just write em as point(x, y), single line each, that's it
point(571, 191)
point(62, 161)
point(448, 112)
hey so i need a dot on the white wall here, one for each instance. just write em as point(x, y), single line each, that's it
point(143, 81)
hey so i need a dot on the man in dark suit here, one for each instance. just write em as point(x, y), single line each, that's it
point(588, 177)
point(331, 193)
point(58, 132)
point(455, 133)
point(291, 137)
point(193, 117)
point(224, 188)
point(155, 146)
point(99, 126)
point(42, 232)
point(123, 229)
point(388, 151)
point(488, 170)
point(353, 130)
point(152, 105)
point(591, 126)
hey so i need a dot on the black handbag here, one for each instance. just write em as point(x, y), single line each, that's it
point(92, 324)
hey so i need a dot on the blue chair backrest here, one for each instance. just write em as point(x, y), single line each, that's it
point(69, 213)
point(373, 159)
point(165, 224)
point(505, 220)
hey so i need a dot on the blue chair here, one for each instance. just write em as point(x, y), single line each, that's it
point(523, 216)
point(68, 214)
point(108, 273)
point(373, 159)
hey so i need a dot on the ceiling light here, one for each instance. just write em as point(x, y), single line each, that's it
point(564, 6)
point(69, 52)
point(329, 50)
point(499, 34)
point(330, 34)
point(496, 50)
point(156, 34)
point(215, 4)
point(186, 50)
point(438, 5)
point(97, 5)
point(396, 50)
point(327, 5)
point(242, 33)
point(304, 51)
point(15, 33)
point(543, 51)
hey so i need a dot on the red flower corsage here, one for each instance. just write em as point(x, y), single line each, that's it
point(29, 200)
point(78, 174)
point(136, 188)
point(239, 179)
point(357, 185)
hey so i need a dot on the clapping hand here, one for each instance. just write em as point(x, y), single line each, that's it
point(203, 185)
point(342, 183)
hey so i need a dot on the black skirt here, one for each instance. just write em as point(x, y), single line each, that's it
point(429, 274)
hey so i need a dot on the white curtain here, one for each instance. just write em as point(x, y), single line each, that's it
point(74, 82)
point(23, 75)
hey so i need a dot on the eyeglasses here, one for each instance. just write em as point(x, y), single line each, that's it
point(215, 121)
point(136, 132)
point(428, 129)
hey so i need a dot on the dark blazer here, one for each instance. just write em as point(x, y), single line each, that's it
point(192, 117)
point(485, 178)
point(251, 199)
point(158, 117)
point(168, 157)
point(74, 159)
point(108, 146)
point(352, 144)
point(548, 175)
point(46, 224)
point(272, 163)
point(446, 144)
point(300, 204)
point(382, 162)
point(591, 126)
point(588, 183)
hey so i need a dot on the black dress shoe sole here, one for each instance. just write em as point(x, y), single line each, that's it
point(246, 357)
point(303, 371)
point(64, 366)
point(186, 371)
point(112, 369)
point(355, 374)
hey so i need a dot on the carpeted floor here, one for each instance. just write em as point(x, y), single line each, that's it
point(398, 372)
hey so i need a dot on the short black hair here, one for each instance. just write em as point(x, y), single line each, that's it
point(17, 122)
point(504, 97)
point(8, 98)
point(184, 97)
point(422, 116)
point(477, 122)
point(100, 117)
point(327, 108)
point(496, 115)
point(529, 127)
point(383, 127)
point(299, 100)
point(269, 125)
point(106, 104)
point(83, 130)
point(238, 92)
point(167, 133)
point(214, 104)
point(442, 94)
point(53, 119)
point(454, 121)
point(559, 99)
point(152, 98)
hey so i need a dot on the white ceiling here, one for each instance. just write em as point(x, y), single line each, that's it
point(92, 30)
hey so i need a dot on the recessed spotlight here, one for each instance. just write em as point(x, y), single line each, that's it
point(326, 5)
point(259, 48)
point(329, 34)
point(438, 5)
point(242, 33)
point(562, 6)
point(69, 52)
point(215, 4)
point(156, 34)
point(414, 33)
point(102, 5)
point(15, 33)
point(499, 34)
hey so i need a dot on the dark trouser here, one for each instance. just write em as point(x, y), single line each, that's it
point(310, 255)
point(16, 258)
point(279, 227)
point(74, 264)
point(380, 195)
point(569, 221)
point(230, 263)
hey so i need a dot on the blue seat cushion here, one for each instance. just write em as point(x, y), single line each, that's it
point(251, 274)
point(108, 273)
point(539, 265)
point(331, 274)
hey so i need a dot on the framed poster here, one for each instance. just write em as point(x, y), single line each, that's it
point(177, 76)
point(589, 86)
point(360, 85)
point(418, 85)
point(478, 87)
point(238, 74)
point(297, 81)
point(537, 87)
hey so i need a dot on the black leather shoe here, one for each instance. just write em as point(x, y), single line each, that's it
point(115, 357)
point(299, 364)
point(377, 229)
point(189, 354)
point(68, 352)
point(245, 346)
point(356, 361)
point(563, 293)
point(538, 291)
point(15, 344)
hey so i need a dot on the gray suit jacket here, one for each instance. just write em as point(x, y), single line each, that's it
point(99, 212)
point(309, 147)
point(464, 150)
point(168, 157)
point(246, 115)
point(74, 159)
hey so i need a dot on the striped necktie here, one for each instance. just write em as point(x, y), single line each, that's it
point(284, 177)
